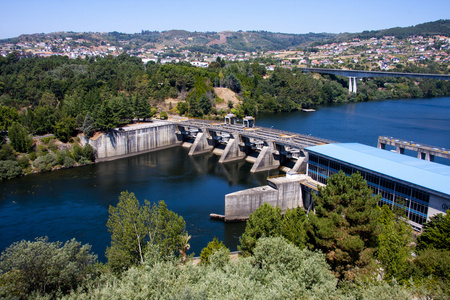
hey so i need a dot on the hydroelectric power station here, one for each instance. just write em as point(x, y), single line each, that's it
point(418, 186)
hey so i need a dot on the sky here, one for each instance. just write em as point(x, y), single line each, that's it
point(286, 16)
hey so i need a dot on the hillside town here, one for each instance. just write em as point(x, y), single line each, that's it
point(370, 54)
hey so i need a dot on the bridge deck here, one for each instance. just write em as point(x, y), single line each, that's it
point(410, 145)
point(286, 138)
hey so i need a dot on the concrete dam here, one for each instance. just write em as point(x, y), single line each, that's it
point(265, 148)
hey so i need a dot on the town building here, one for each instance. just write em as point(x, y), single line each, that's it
point(420, 187)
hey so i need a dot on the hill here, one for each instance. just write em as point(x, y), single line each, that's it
point(227, 41)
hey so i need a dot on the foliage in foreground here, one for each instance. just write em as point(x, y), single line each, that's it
point(137, 230)
point(41, 267)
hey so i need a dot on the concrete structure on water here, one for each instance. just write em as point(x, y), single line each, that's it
point(132, 140)
point(284, 191)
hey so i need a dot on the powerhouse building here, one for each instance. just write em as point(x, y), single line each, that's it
point(420, 187)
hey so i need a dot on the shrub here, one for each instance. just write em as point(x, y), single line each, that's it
point(7, 153)
point(9, 169)
point(24, 162)
point(88, 153)
point(210, 249)
point(77, 152)
point(45, 163)
point(68, 162)
point(42, 267)
point(163, 115)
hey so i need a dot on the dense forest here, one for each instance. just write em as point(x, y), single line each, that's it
point(348, 248)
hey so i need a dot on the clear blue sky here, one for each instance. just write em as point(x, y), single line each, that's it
point(287, 16)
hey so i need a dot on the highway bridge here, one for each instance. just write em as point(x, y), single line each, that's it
point(353, 74)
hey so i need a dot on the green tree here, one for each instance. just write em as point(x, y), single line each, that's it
point(88, 125)
point(436, 233)
point(135, 229)
point(19, 138)
point(163, 115)
point(65, 129)
point(204, 104)
point(8, 115)
point(105, 118)
point(265, 221)
point(44, 268)
point(394, 241)
point(293, 226)
point(345, 224)
point(210, 249)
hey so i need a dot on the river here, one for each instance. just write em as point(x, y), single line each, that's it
point(73, 203)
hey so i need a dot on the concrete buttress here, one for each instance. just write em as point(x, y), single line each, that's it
point(201, 144)
point(266, 159)
point(232, 151)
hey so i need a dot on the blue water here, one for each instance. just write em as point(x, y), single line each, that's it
point(74, 203)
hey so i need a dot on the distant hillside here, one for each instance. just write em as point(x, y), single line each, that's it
point(229, 41)
point(440, 27)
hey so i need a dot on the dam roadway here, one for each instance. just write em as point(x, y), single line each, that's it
point(266, 148)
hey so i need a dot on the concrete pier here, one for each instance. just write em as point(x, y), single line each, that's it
point(201, 144)
point(233, 151)
point(266, 159)
point(284, 192)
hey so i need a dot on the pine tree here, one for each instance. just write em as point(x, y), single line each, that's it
point(88, 125)
point(265, 221)
point(345, 224)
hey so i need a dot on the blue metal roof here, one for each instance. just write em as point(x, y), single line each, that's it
point(432, 176)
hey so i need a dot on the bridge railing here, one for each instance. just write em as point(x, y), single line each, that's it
point(413, 144)
point(239, 128)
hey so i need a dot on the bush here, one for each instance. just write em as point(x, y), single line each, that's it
point(42, 267)
point(77, 152)
point(210, 249)
point(163, 115)
point(88, 153)
point(46, 162)
point(7, 153)
point(24, 162)
point(9, 169)
point(68, 162)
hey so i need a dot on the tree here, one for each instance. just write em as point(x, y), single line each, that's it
point(8, 115)
point(88, 125)
point(163, 115)
point(44, 268)
point(105, 117)
point(19, 138)
point(394, 250)
point(210, 249)
point(65, 129)
point(436, 233)
point(134, 229)
point(293, 226)
point(126, 224)
point(345, 224)
point(265, 221)
point(204, 104)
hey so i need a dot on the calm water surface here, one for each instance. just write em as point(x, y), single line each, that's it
point(74, 203)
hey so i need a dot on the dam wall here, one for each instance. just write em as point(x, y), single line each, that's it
point(132, 140)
